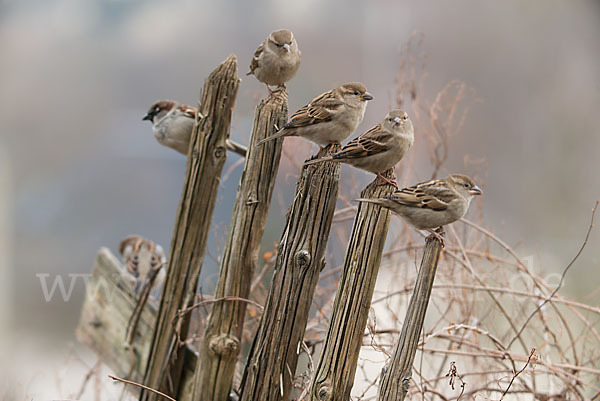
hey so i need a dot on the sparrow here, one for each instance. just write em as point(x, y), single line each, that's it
point(144, 260)
point(432, 204)
point(276, 60)
point(330, 117)
point(378, 149)
point(173, 124)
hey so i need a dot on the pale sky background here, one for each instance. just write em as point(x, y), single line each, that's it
point(80, 170)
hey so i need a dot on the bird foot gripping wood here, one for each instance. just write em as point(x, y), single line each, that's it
point(388, 181)
point(437, 234)
point(277, 91)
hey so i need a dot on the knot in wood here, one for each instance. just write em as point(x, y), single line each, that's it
point(219, 152)
point(224, 345)
point(302, 258)
point(324, 392)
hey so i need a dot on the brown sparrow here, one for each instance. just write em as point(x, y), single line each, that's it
point(432, 204)
point(173, 124)
point(330, 117)
point(144, 260)
point(276, 60)
point(378, 149)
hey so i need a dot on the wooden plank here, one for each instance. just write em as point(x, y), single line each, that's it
point(220, 347)
point(204, 166)
point(106, 310)
point(396, 378)
point(300, 259)
point(335, 373)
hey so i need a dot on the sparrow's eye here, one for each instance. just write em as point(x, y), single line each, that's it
point(356, 93)
point(404, 118)
point(390, 119)
point(466, 185)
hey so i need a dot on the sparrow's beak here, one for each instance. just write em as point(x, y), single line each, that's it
point(476, 190)
point(287, 47)
point(147, 117)
point(366, 96)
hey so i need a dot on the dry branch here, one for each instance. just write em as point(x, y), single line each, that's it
point(396, 379)
point(337, 367)
point(204, 166)
point(221, 343)
point(300, 258)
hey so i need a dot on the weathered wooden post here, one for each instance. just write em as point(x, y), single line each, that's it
point(396, 378)
point(337, 366)
point(221, 343)
point(204, 165)
point(274, 353)
point(109, 304)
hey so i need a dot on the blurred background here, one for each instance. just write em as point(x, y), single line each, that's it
point(79, 169)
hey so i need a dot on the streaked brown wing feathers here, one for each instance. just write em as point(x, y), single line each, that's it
point(317, 111)
point(434, 195)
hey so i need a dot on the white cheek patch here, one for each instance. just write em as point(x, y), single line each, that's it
point(159, 250)
point(127, 250)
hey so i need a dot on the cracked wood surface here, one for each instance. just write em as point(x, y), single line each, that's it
point(396, 379)
point(221, 343)
point(300, 258)
point(204, 166)
point(335, 373)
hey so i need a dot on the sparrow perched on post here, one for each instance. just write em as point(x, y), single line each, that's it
point(276, 60)
point(378, 149)
point(173, 124)
point(144, 260)
point(330, 117)
point(432, 204)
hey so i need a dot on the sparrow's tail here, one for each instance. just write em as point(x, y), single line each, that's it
point(319, 160)
point(375, 201)
point(279, 134)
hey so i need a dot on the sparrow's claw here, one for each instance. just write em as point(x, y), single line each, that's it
point(271, 92)
point(437, 234)
point(388, 181)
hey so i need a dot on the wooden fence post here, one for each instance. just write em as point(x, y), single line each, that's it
point(301, 257)
point(204, 165)
point(221, 342)
point(396, 378)
point(337, 366)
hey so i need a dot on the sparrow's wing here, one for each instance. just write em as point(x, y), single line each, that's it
point(254, 61)
point(374, 141)
point(320, 109)
point(434, 195)
point(188, 111)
